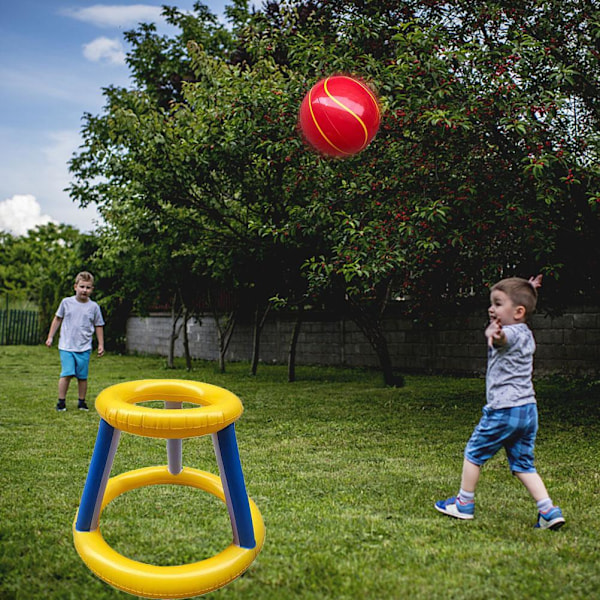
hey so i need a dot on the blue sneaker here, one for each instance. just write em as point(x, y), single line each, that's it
point(551, 519)
point(453, 508)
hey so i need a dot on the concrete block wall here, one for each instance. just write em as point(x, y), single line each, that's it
point(569, 344)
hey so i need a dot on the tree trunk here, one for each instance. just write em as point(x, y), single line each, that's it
point(259, 322)
point(175, 330)
point(380, 346)
point(186, 340)
point(224, 331)
point(225, 325)
point(371, 328)
point(221, 358)
point(293, 345)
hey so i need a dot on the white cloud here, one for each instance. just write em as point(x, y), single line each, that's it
point(110, 15)
point(105, 49)
point(21, 213)
point(35, 164)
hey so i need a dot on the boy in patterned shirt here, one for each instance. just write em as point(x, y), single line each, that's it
point(510, 417)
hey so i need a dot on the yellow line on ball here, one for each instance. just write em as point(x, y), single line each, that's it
point(312, 114)
point(366, 132)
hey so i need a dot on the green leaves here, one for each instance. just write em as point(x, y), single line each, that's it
point(487, 149)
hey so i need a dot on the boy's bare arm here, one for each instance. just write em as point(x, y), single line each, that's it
point(100, 336)
point(494, 334)
point(53, 329)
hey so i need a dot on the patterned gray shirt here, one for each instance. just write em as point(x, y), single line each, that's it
point(510, 368)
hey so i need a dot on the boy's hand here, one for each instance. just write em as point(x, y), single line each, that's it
point(100, 351)
point(49, 341)
point(536, 282)
point(494, 333)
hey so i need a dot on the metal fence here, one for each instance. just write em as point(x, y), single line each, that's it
point(19, 327)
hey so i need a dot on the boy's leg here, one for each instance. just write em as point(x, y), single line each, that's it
point(520, 453)
point(68, 370)
point(82, 388)
point(63, 386)
point(470, 476)
point(484, 442)
point(534, 484)
point(82, 364)
point(463, 505)
point(549, 516)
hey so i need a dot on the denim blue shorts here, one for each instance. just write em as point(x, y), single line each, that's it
point(75, 363)
point(514, 429)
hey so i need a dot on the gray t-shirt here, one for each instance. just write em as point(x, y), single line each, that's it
point(79, 321)
point(510, 368)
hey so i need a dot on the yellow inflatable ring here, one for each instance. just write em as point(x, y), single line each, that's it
point(181, 581)
point(117, 406)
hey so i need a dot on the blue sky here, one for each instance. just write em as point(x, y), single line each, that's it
point(55, 58)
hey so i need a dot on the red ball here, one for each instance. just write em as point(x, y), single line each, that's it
point(339, 116)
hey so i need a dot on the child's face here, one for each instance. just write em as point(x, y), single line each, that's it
point(83, 290)
point(503, 310)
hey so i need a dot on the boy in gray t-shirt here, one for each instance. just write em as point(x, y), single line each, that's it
point(510, 418)
point(78, 318)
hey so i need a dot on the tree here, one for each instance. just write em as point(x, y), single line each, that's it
point(160, 65)
point(40, 267)
point(207, 168)
point(474, 174)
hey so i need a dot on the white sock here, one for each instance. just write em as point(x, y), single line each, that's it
point(465, 497)
point(544, 505)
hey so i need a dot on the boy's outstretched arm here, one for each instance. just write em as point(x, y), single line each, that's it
point(494, 334)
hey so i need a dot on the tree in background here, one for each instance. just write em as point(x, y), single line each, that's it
point(477, 171)
point(471, 177)
point(40, 267)
point(209, 170)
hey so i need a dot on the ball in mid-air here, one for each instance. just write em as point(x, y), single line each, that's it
point(339, 116)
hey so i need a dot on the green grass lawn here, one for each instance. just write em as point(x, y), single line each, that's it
point(344, 471)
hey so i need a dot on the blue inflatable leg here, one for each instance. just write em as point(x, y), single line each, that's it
point(97, 478)
point(230, 467)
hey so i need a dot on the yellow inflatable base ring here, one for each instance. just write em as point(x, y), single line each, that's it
point(181, 581)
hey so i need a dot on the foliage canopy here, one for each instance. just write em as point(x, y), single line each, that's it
point(485, 164)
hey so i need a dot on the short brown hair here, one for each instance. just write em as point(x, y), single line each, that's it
point(520, 291)
point(84, 276)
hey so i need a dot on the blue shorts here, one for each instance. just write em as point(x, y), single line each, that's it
point(512, 428)
point(75, 363)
